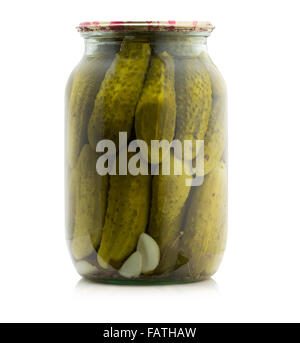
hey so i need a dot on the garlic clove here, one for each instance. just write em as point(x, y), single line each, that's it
point(84, 268)
point(132, 267)
point(149, 251)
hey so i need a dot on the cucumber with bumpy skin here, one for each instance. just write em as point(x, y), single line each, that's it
point(90, 204)
point(126, 217)
point(215, 138)
point(86, 81)
point(193, 99)
point(218, 85)
point(116, 101)
point(155, 116)
point(169, 195)
point(204, 238)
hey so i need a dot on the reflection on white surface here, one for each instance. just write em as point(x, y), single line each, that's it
point(86, 287)
point(192, 302)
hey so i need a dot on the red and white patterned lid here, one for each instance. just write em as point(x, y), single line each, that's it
point(142, 26)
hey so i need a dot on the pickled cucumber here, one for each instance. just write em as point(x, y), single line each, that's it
point(116, 101)
point(193, 99)
point(169, 195)
point(217, 82)
point(216, 134)
point(85, 85)
point(70, 208)
point(204, 238)
point(90, 204)
point(215, 138)
point(155, 116)
point(126, 217)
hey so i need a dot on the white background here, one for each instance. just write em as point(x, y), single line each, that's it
point(256, 46)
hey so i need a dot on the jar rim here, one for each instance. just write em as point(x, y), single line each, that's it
point(146, 26)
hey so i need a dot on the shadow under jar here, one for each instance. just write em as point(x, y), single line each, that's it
point(146, 154)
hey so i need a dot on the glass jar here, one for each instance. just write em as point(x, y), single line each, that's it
point(146, 157)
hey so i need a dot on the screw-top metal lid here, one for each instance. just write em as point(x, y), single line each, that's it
point(146, 26)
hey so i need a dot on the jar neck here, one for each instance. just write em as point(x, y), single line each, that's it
point(176, 43)
point(97, 45)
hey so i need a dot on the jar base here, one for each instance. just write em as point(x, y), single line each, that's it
point(142, 282)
